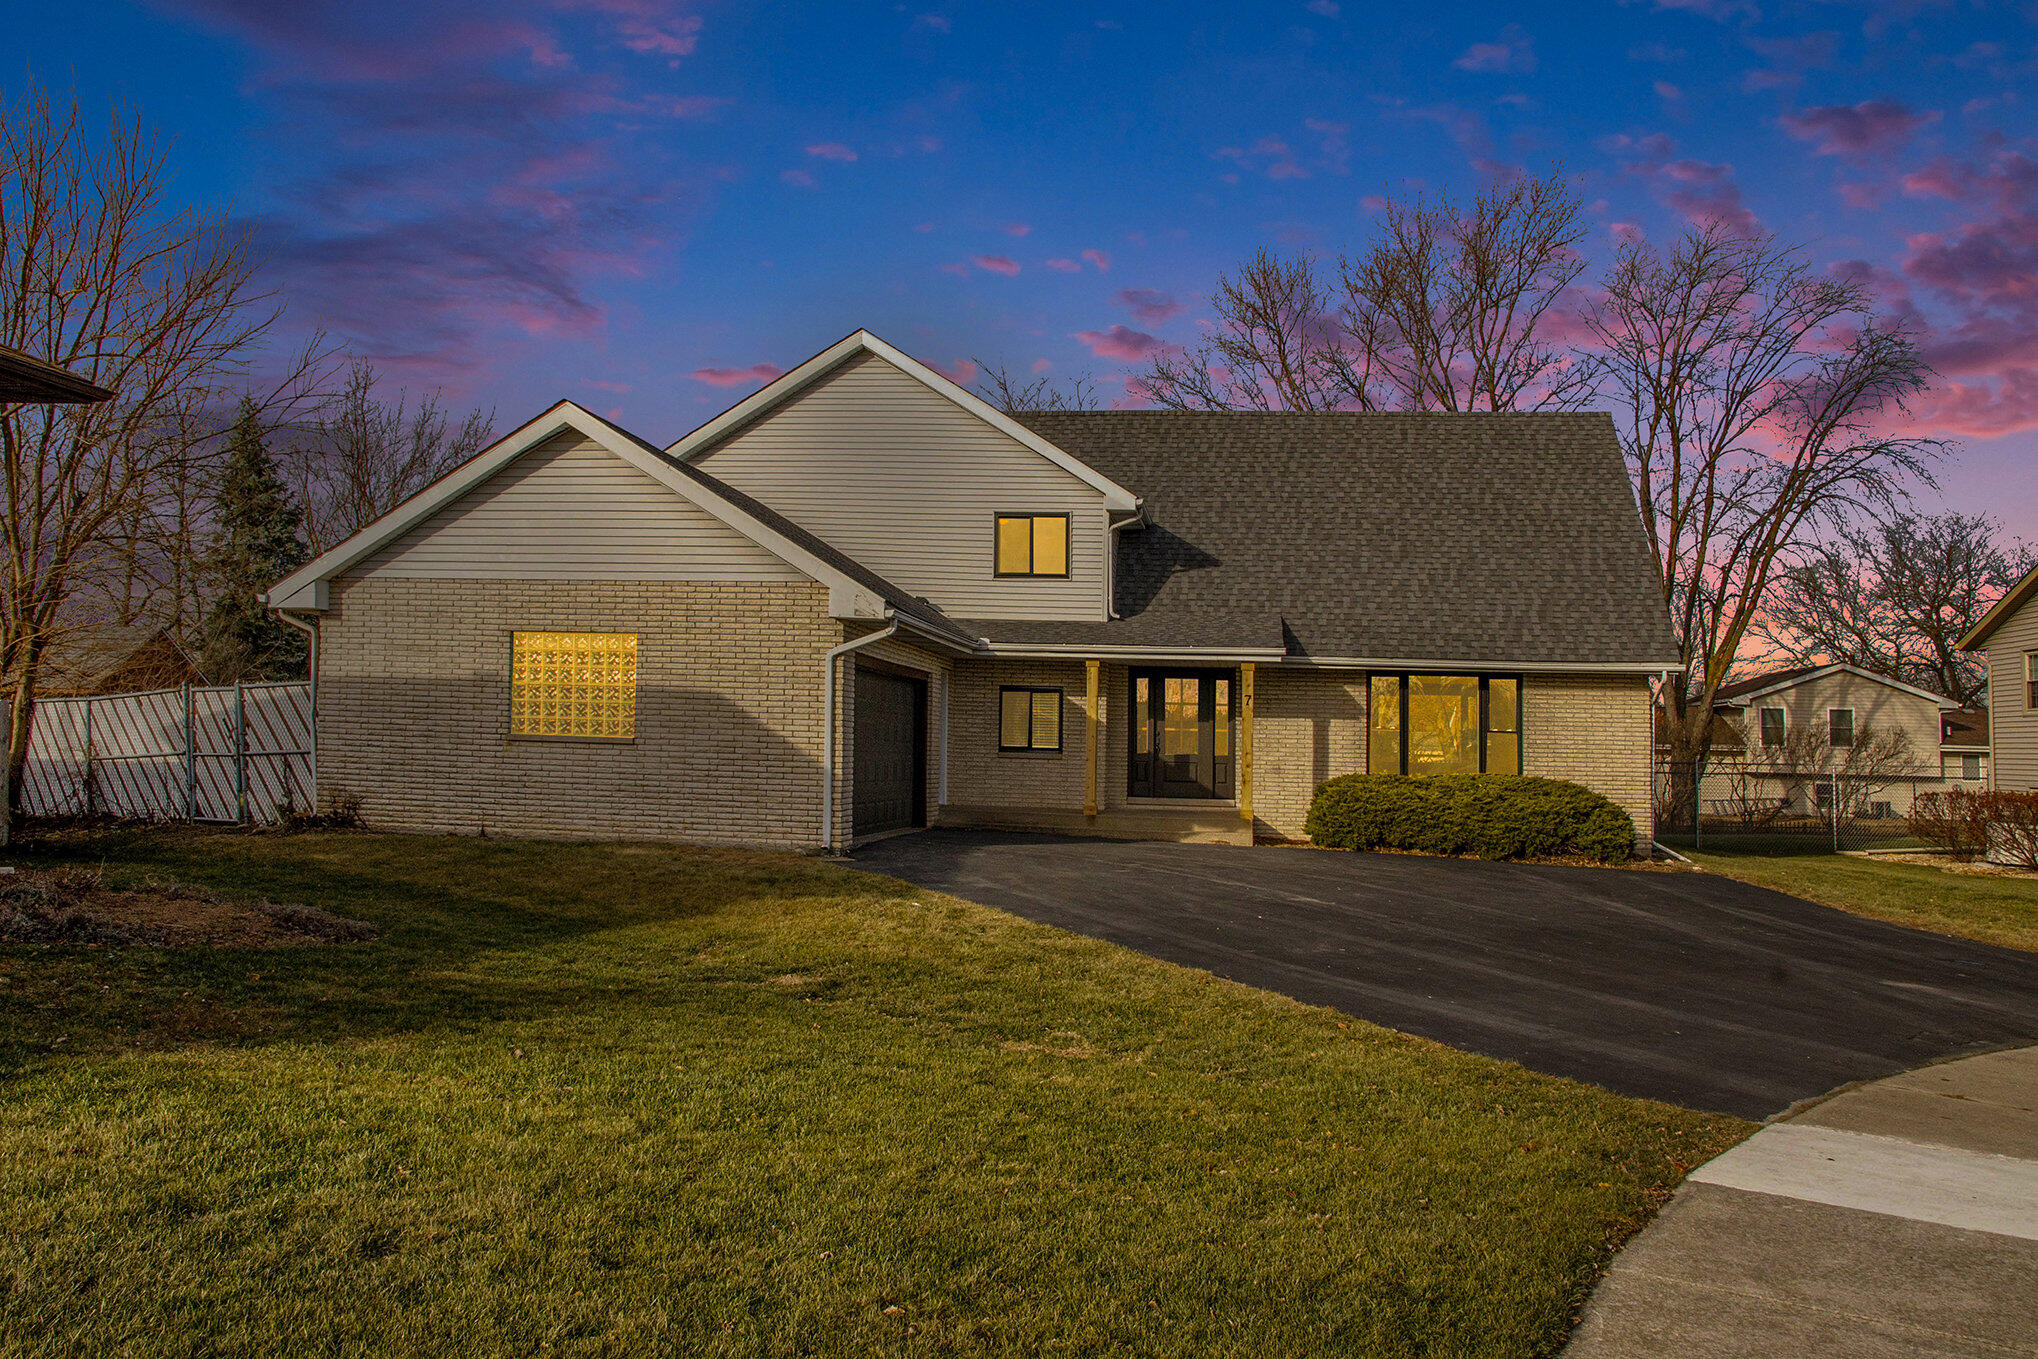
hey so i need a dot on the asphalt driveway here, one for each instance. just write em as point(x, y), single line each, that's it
point(1687, 987)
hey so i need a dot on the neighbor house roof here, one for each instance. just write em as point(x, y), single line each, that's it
point(1964, 728)
point(1419, 538)
point(1740, 691)
point(100, 658)
point(24, 377)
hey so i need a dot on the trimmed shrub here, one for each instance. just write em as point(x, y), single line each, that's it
point(1955, 820)
point(2013, 828)
point(1488, 816)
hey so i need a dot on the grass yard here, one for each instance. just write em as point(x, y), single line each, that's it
point(602, 1099)
point(1993, 910)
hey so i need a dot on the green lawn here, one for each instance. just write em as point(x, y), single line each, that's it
point(1994, 910)
point(584, 1099)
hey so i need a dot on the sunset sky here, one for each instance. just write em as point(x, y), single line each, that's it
point(653, 207)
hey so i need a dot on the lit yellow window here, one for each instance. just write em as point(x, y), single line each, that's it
point(573, 684)
point(1033, 545)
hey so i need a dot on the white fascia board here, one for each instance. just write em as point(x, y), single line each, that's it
point(1747, 699)
point(1651, 668)
point(1116, 497)
point(1040, 651)
point(846, 598)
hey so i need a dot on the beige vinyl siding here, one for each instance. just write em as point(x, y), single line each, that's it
point(910, 484)
point(571, 510)
point(2015, 741)
point(1877, 708)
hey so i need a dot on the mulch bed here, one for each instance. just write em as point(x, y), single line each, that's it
point(1978, 868)
point(75, 906)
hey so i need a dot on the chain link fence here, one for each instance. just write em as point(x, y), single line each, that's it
point(1752, 807)
point(231, 753)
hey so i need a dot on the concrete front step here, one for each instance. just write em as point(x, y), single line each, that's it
point(1204, 824)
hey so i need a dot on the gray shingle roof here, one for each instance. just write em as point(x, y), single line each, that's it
point(1485, 537)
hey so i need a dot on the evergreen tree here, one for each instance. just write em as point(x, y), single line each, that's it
point(256, 542)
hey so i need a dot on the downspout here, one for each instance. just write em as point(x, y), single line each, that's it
point(828, 724)
point(309, 629)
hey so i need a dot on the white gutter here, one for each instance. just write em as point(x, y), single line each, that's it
point(828, 725)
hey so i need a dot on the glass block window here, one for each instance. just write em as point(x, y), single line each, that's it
point(580, 684)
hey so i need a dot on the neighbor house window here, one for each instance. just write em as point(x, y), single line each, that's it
point(1033, 545)
point(1029, 719)
point(1969, 766)
point(2031, 679)
point(1840, 727)
point(1445, 724)
point(1772, 727)
point(574, 684)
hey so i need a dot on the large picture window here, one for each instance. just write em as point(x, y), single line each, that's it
point(574, 684)
point(1445, 724)
point(1029, 719)
point(1033, 545)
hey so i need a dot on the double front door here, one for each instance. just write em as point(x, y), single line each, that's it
point(1182, 739)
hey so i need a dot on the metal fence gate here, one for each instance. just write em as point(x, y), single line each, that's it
point(231, 753)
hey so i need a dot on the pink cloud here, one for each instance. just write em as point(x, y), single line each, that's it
point(1042, 365)
point(1699, 191)
point(933, 23)
point(996, 264)
point(831, 151)
point(1373, 202)
point(1016, 228)
point(799, 179)
point(962, 372)
point(1119, 342)
point(1062, 266)
point(1871, 127)
point(1149, 305)
point(1866, 197)
point(1098, 259)
point(1329, 9)
point(737, 377)
point(1513, 52)
point(647, 26)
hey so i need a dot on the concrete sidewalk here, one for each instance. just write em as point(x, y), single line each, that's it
point(1896, 1218)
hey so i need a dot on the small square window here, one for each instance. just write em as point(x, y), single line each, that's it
point(1029, 719)
point(1032, 545)
point(1840, 727)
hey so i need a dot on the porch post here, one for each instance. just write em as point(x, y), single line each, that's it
point(1245, 741)
point(1090, 740)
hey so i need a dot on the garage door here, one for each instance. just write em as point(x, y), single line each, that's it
point(891, 753)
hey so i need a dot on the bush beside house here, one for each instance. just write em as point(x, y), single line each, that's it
point(1487, 816)
point(2001, 824)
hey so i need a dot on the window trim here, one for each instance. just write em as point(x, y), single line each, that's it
point(1486, 728)
point(1852, 730)
point(1060, 704)
point(571, 738)
point(1068, 545)
point(2030, 680)
point(1762, 727)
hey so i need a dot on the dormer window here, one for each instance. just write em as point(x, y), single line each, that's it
point(1033, 545)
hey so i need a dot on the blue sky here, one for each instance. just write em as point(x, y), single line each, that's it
point(650, 207)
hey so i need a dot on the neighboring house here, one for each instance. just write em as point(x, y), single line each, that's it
point(1784, 732)
point(862, 600)
point(114, 658)
point(2008, 636)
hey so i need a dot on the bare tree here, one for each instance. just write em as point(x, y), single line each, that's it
point(1856, 774)
point(1442, 311)
point(1038, 393)
point(361, 456)
point(1752, 394)
point(1895, 599)
point(99, 274)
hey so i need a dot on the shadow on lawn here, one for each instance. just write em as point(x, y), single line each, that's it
point(474, 932)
